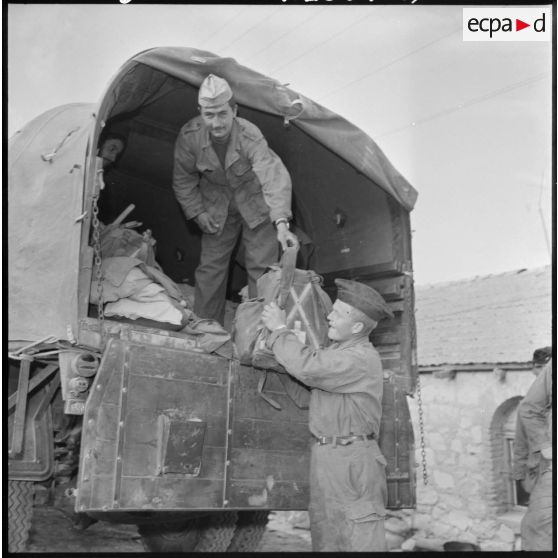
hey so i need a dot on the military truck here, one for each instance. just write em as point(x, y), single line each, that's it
point(140, 423)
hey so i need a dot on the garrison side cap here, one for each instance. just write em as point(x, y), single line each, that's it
point(214, 91)
point(364, 298)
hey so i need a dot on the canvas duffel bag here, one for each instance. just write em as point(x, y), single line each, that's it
point(300, 294)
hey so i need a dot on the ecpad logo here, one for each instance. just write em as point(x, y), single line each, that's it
point(507, 24)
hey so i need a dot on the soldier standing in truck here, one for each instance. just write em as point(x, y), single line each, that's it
point(232, 184)
point(348, 490)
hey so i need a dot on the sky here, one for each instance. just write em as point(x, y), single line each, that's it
point(469, 124)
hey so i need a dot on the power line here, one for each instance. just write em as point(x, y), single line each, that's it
point(377, 70)
point(269, 45)
point(251, 28)
point(541, 215)
point(466, 104)
point(289, 62)
point(238, 14)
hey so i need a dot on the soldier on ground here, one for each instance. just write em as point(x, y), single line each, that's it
point(533, 456)
point(348, 490)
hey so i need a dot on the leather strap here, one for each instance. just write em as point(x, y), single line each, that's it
point(288, 266)
point(261, 383)
point(343, 440)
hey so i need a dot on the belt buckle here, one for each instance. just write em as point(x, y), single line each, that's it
point(345, 440)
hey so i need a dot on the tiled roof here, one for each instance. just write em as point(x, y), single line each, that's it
point(489, 319)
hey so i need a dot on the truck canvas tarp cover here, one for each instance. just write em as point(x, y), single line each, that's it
point(50, 158)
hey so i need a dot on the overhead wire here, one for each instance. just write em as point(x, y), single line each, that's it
point(466, 104)
point(381, 68)
point(541, 215)
point(288, 32)
point(301, 55)
point(238, 14)
point(251, 28)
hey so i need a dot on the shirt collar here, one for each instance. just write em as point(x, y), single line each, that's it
point(350, 343)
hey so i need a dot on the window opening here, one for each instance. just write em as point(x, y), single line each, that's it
point(516, 496)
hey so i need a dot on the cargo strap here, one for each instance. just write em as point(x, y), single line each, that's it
point(297, 307)
point(288, 266)
point(261, 383)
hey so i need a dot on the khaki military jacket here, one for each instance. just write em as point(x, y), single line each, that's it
point(534, 425)
point(254, 176)
point(346, 382)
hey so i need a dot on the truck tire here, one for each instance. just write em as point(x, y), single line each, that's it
point(20, 512)
point(217, 532)
point(212, 533)
point(249, 531)
point(170, 537)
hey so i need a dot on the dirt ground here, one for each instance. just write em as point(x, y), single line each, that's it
point(52, 531)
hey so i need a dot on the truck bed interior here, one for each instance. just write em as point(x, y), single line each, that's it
point(349, 226)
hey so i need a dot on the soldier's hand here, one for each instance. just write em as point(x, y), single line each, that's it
point(547, 453)
point(206, 223)
point(285, 237)
point(273, 317)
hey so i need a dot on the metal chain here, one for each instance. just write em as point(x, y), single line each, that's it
point(421, 430)
point(98, 268)
point(418, 390)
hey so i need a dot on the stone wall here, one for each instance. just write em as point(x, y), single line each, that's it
point(465, 498)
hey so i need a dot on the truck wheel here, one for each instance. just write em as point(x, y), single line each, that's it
point(20, 512)
point(170, 537)
point(250, 529)
point(216, 532)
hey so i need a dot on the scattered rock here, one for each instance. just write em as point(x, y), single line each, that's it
point(397, 526)
point(393, 541)
point(409, 545)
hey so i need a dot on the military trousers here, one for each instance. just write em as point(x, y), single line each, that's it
point(536, 525)
point(348, 495)
point(261, 249)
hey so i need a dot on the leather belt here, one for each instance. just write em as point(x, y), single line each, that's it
point(343, 440)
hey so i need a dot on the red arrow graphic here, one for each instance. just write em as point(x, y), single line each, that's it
point(519, 25)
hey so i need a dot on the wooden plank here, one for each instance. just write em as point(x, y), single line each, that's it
point(161, 362)
point(259, 464)
point(99, 495)
point(35, 462)
point(105, 419)
point(35, 381)
point(170, 493)
point(248, 404)
point(408, 340)
point(396, 442)
point(112, 376)
point(100, 458)
point(281, 436)
point(386, 269)
point(386, 338)
point(390, 288)
point(156, 394)
point(18, 428)
point(268, 494)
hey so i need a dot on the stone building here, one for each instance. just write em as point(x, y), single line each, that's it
point(475, 342)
